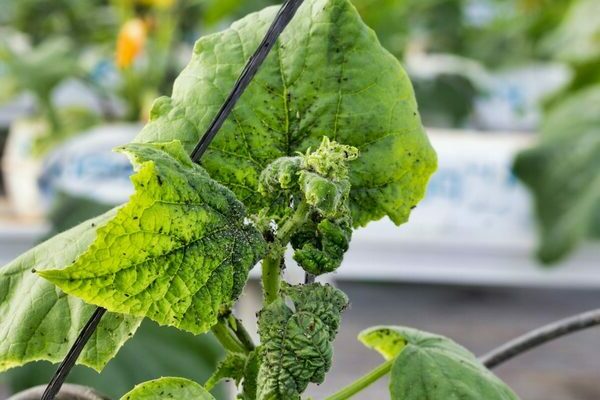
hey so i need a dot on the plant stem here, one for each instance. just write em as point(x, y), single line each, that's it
point(227, 338)
point(271, 264)
point(242, 334)
point(285, 232)
point(540, 336)
point(271, 277)
point(363, 382)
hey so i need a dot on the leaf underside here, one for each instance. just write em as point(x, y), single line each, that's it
point(40, 322)
point(433, 367)
point(168, 388)
point(178, 252)
point(296, 342)
point(327, 76)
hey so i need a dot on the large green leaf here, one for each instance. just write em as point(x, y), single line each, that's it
point(173, 352)
point(327, 76)
point(296, 339)
point(40, 322)
point(432, 367)
point(178, 252)
point(168, 388)
point(563, 172)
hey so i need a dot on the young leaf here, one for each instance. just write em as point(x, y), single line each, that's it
point(231, 367)
point(317, 185)
point(168, 388)
point(433, 367)
point(296, 340)
point(39, 321)
point(327, 76)
point(563, 174)
point(178, 252)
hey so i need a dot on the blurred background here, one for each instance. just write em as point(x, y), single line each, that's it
point(509, 91)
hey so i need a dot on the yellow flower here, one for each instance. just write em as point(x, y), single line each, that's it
point(130, 42)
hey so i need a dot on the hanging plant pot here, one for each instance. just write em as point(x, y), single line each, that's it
point(68, 392)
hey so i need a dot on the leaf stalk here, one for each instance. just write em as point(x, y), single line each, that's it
point(363, 382)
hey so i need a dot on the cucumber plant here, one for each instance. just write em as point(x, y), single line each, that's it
point(326, 138)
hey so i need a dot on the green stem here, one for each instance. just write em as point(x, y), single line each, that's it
point(227, 338)
point(271, 265)
point(239, 330)
point(285, 232)
point(271, 277)
point(363, 382)
point(242, 334)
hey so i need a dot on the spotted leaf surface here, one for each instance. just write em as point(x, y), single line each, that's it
point(168, 388)
point(38, 321)
point(296, 339)
point(433, 367)
point(328, 75)
point(178, 252)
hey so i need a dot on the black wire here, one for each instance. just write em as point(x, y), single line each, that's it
point(67, 364)
point(284, 16)
point(540, 336)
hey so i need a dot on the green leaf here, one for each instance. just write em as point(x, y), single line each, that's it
point(562, 172)
point(168, 388)
point(327, 76)
point(178, 252)
point(39, 321)
point(153, 351)
point(231, 367)
point(296, 339)
point(433, 367)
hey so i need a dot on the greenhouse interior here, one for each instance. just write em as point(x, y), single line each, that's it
point(285, 200)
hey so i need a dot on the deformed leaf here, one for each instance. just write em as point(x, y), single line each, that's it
point(168, 388)
point(178, 252)
point(433, 367)
point(327, 76)
point(317, 184)
point(40, 322)
point(563, 173)
point(296, 339)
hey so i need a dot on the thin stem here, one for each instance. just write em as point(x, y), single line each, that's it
point(540, 336)
point(227, 338)
point(65, 367)
point(273, 262)
point(271, 277)
point(242, 333)
point(363, 382)
point(285, 232)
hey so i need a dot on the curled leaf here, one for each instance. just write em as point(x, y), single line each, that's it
point(320, 249)
point(296, 339)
